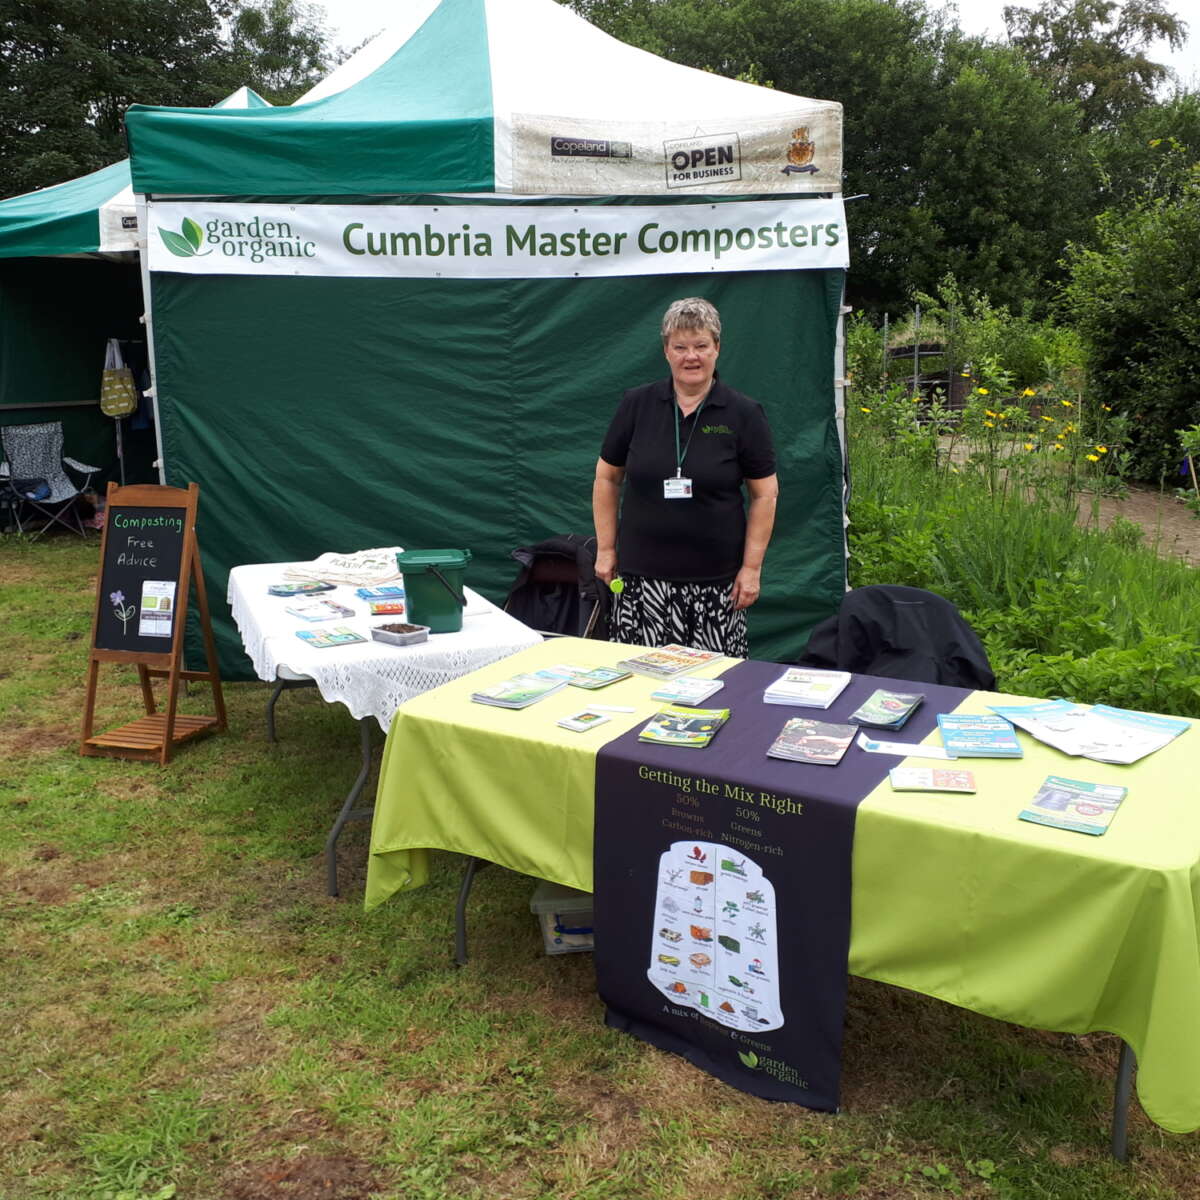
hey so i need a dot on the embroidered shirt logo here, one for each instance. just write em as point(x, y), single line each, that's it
point(715, 429)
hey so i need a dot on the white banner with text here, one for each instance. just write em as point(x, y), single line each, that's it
point(486, 241)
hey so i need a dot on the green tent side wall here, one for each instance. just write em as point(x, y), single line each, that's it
point(333, 414)
point(56, 315)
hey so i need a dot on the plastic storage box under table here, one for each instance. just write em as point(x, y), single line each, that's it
point(565, 917)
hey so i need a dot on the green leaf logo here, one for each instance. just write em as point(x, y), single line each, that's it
point(749, 1058)
point(186, 244)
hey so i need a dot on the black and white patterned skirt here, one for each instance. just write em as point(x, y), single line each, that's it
point(654, 612)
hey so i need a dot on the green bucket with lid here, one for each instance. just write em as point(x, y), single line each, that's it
point(433, 587)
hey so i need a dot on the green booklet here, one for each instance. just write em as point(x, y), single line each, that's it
point(684, 726)
point(322, 639)
point(887, 710)
point(1075, 804)
point(521, 690)
point(598, 677)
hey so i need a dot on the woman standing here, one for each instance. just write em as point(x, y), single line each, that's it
point(688, 549)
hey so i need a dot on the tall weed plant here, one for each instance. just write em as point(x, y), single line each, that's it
point(995, 509)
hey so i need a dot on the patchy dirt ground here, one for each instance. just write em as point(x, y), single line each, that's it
point(1166, 524)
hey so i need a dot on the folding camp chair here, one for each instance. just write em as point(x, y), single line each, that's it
point(33, 454)
point(556, 592)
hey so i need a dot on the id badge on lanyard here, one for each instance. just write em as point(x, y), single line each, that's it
point(680, 486)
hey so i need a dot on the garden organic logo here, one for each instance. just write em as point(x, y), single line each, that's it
point(749, 1059)
point(187, 243)
point(255, 240)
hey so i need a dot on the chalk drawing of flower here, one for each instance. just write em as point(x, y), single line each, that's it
point(124, 611)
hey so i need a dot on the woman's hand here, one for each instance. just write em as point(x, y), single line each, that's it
point(606, 493)
point(746, 587)
point(606, 566)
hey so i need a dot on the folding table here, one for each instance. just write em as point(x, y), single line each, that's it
point(953, 896)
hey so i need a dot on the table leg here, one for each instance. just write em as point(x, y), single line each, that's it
point(474, 866)
point(281, 684)
point(1124, 1089)
point(349, 812)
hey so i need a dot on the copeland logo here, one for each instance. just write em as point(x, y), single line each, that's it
point(577, 147)
point(716, 158)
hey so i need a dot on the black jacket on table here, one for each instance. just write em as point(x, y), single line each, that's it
point(727, 441)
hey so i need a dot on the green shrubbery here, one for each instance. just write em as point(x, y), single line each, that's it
point(1135, 298)
point(984, 511)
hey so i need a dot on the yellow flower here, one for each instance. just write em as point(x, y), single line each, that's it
point(1060, 436)
point(982, 391)
point(1028, 445)
point(1066, 404)
point(1003, 416)
point(990, 424)
point(916, 399)
point(1069, 428)
point(1046, 418)
point(965, 374)
point(1056, 446)
point(1093, 458)
point(1029, 392)
point(866, 410)
point(1102, 449)
point(988, 412)
point(1106, 407)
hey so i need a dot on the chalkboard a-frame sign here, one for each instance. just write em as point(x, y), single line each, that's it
point(149, 561)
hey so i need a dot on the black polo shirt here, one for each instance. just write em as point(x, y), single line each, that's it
point(698, 540)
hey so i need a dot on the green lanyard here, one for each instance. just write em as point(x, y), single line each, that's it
point(680, 457)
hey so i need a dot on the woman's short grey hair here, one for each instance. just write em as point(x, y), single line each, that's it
point(693, 312)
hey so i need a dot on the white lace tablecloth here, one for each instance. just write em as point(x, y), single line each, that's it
point(372, 679)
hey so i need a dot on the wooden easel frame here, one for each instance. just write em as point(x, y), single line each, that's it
point(154, 736)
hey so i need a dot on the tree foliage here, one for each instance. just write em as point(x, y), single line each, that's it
point(1149, 156)
point(1093, 52)
point(280, 45)
point(968, 164)
point(70, 68)
point(1134, 295)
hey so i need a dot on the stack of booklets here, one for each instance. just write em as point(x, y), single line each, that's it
point(384, 601)
point(887, 710)
point(687, 691)
point(807, 687)
point(694, 727)
point(804, 739)
point(593, 678)
point(1102, 733)
point(668, 661)
point(319, 610)
point(521, 690)
point(978, 735)
point(1075, 804)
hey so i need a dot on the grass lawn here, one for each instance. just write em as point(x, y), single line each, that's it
point(186, 1014)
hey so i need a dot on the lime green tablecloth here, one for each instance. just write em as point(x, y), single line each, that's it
point(953, 896)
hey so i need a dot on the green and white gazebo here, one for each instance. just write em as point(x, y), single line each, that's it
point(403, 309)
point(69, 280)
